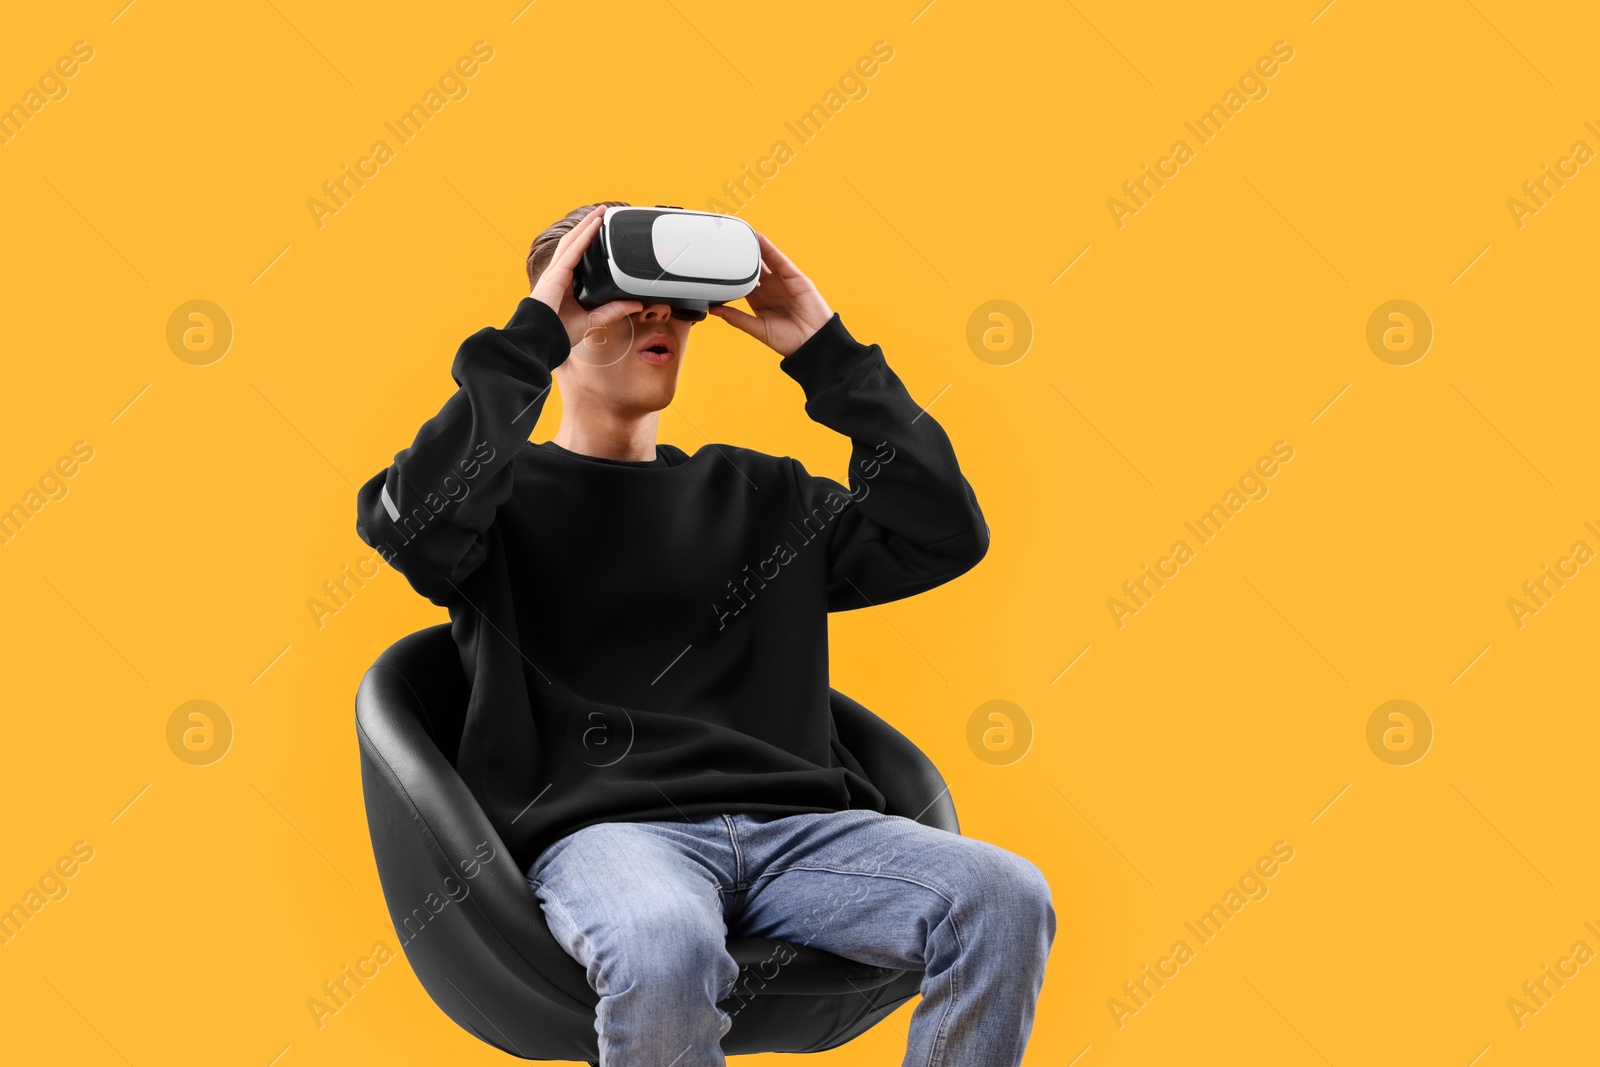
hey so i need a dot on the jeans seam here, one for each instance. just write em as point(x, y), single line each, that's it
point(738, 856)
point(940, 1033)
point(577, 931)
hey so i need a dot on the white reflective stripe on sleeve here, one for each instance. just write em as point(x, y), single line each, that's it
point(388, 505)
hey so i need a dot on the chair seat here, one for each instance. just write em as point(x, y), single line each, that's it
point(779, 968)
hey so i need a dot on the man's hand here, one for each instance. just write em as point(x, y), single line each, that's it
point(555, 284)
point(788, 309)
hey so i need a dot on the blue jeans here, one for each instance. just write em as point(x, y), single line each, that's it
point(647, 907)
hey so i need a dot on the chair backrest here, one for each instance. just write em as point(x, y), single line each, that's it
point(430, 663)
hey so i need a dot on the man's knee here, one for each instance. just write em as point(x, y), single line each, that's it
point(1014, 884)
point(1028, 881)
point(668, 945)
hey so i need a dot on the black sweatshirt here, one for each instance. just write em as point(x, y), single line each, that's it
point(649, 639)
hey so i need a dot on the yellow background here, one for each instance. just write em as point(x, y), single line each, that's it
point(1223, 317)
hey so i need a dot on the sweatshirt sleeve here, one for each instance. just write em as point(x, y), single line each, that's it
point(909, 520)
point(428, 512)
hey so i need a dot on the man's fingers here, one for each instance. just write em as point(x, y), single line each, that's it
point(606, 314)
point(734, 317)
point(785, 266)
point(576, 240)
point(572, 234)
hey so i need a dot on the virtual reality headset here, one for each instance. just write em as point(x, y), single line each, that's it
point(690, 260)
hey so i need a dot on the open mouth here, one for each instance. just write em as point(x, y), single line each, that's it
point(657, 350)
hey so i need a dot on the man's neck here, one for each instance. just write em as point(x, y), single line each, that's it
point(610, 437)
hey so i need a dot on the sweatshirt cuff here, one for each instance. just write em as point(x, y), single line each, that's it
point(541, 319)
point(825, 356)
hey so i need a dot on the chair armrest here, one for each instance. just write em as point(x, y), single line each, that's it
point(910, 783)
point(428, 833)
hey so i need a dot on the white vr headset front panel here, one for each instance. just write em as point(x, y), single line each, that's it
point(701, 245)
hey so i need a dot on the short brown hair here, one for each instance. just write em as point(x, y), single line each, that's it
point(544, 245)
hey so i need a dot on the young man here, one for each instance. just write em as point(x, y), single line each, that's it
point(646, 636)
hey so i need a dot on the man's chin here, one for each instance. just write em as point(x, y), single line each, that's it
point(653, 392)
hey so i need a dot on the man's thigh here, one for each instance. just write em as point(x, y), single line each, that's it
point(872, 887)
point(635, 896)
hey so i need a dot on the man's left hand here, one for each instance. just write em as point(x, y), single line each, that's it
point(788, 309)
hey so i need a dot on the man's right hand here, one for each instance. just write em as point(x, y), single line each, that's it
point(554, 287)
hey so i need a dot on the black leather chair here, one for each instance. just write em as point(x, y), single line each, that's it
point(480, 945)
